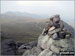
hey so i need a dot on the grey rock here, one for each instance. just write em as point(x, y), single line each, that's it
point(33, 44)
point(18, 44)
point(43, 53)
point(47, 52)
point(8, 47)
point(34, 51)
point(28, 45)
point(42, 41)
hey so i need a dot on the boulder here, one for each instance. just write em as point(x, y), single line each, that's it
point(35, 51)
point(46, 52)
point(55, 49)
point(8, 47)
point(33, 43)
point(42, 41)
point(50, 42)
point(26, 46)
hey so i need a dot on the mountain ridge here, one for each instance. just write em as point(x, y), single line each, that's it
point(24, 14)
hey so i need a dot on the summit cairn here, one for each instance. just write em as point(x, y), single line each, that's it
point(54, 40)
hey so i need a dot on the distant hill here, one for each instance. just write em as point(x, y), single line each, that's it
point(19, 17)
point(24, 14)
point(23, 28)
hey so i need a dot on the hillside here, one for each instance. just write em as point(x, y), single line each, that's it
point(22, 28)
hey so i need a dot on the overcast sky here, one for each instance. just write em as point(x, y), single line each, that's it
point(64, 8)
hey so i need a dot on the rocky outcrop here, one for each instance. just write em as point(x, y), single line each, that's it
point(48, 47)
point(26, 46)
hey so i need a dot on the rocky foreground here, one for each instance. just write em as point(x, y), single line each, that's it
point(51, 48)
point(45, 46)
point(39, 48)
